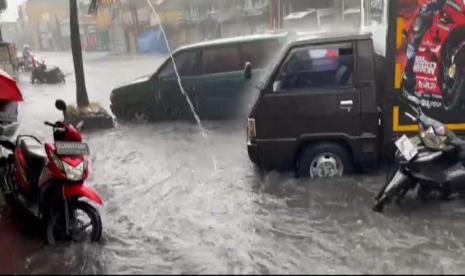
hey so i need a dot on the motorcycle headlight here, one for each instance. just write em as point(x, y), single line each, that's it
point(74, 173)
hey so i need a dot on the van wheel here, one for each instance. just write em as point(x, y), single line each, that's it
point(138, 114)
point(325, 160)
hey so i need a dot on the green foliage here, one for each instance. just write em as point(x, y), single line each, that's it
point(94, 108)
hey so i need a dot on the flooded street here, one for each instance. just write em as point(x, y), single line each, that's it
point(168, 211)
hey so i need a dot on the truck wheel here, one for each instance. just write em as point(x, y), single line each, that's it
point(451, 76)
point(324, 160)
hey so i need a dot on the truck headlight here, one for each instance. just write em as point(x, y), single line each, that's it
point(251, 129)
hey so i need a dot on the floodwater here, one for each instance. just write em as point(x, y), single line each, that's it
point(168, 211)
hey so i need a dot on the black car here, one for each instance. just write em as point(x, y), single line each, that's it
point(212, 76)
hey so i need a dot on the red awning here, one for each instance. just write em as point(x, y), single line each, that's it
point(9, 90)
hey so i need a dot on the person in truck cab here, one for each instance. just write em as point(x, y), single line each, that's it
point(315, 68)
point(345, 69)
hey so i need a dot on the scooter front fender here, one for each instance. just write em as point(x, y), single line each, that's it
point(80, 190)
point(398, 182)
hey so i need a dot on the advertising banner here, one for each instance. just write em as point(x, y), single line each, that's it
point(430, 61)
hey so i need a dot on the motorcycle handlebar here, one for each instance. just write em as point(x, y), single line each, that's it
point(49, 124)
point(8, 145)
point(413, 118)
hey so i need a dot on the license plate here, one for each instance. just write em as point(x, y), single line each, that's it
point(406, 147)
point(70, 148)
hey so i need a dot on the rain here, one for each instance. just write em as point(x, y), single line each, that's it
point(182, 196)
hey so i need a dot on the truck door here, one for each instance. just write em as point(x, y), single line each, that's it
point(312, 93)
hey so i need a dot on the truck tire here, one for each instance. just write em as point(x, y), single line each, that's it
point(324, 160)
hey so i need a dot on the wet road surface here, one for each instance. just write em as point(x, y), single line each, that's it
point(168, 211)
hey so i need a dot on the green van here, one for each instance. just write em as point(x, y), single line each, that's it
point(211, 74)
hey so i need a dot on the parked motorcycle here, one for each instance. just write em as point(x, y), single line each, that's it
point(41, 74)
point(432, 161)
point(48, 181)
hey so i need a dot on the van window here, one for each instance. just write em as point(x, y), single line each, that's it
point(185, 63)
point(260, 53)
point(307, 67)
point(221, 60)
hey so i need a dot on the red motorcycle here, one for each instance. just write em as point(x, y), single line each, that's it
point(435, 69)
point(48, 181)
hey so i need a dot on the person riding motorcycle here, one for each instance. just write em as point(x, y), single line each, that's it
point(26, 52)
point(422, 23)
point(28, 58)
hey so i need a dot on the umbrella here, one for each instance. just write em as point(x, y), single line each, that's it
point(9, 91)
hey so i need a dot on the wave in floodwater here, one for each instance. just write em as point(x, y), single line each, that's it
point(166, 212)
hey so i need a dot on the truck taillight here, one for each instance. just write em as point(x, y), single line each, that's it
point(252, 131)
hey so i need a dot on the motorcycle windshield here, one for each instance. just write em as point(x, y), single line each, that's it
point(436, 143)
point(430, 122)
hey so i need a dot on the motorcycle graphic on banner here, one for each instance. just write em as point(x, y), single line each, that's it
point(430, 60)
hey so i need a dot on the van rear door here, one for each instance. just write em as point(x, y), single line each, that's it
point(313, 93)
point(220, 80)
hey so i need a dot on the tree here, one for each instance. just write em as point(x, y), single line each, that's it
point(82, 98)
point(3, 7)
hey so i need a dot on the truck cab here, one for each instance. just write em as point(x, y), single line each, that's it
point(317, 112)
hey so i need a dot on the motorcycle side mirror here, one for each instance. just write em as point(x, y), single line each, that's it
point(60, 105)
point(248, 71)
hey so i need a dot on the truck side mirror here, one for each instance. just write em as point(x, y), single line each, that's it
point(248, 71)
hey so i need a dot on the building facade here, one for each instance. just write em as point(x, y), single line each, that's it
point(314, 14)
point(45, 26)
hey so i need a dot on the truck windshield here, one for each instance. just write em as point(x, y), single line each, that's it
point(321, 66)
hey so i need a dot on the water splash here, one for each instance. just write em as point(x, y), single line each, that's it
point(197, 119)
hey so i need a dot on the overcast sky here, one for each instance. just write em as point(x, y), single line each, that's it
point(11, 14)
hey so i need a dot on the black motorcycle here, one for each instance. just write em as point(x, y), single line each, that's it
point(432, 161)
point(41, 74)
